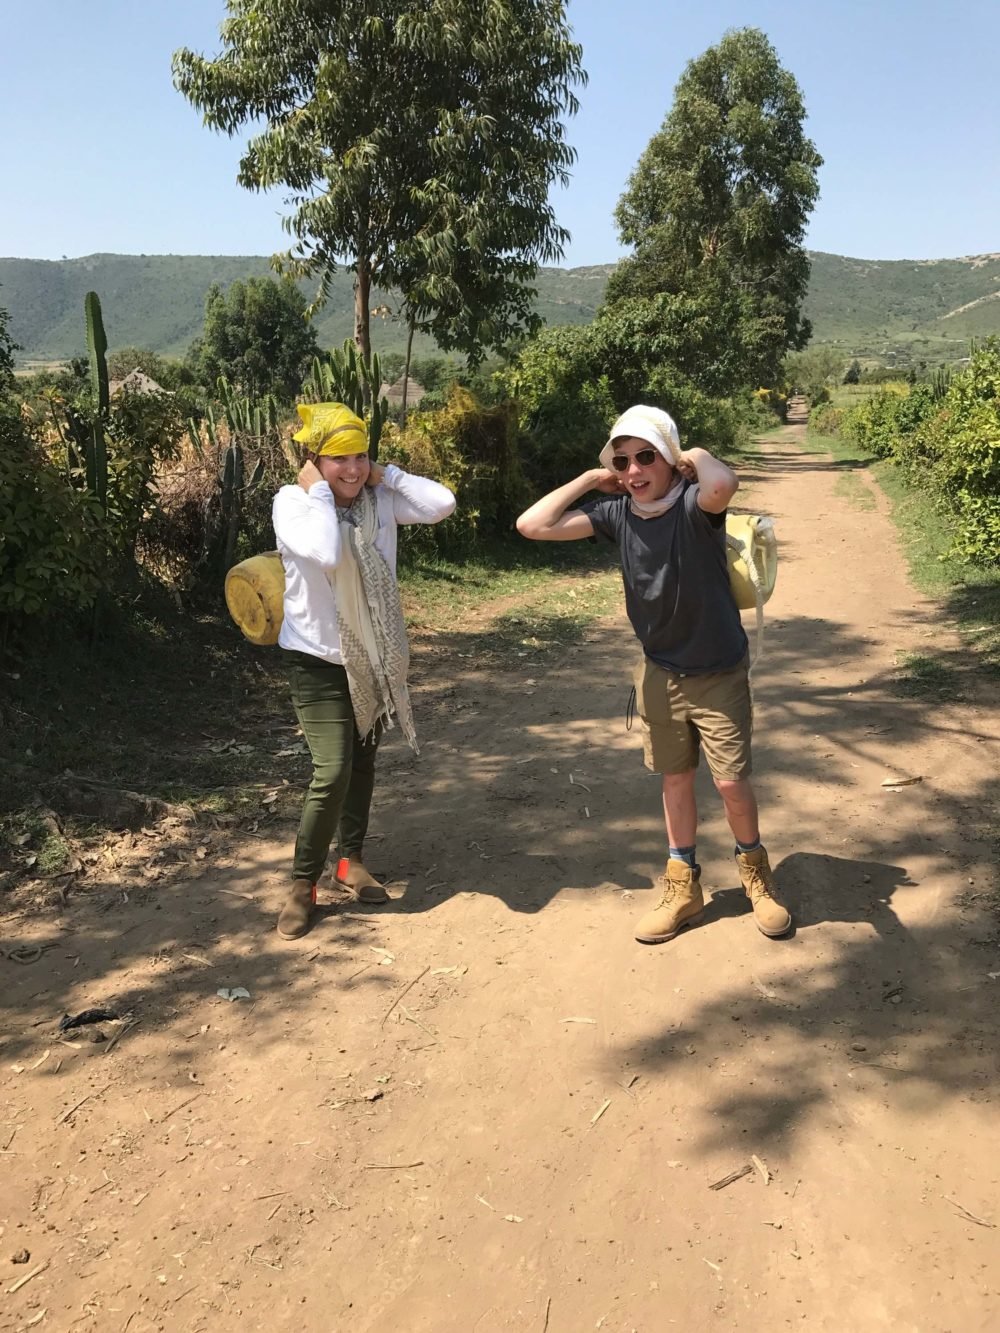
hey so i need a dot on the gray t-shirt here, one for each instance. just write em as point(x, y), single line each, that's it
point(676, 578)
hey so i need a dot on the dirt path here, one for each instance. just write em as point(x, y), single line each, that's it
point(488, 1108)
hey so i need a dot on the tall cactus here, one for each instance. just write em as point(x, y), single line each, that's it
point(344, 376)
point(248, 422)
point(96, 449)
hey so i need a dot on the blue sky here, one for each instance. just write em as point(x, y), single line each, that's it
point(99, 153)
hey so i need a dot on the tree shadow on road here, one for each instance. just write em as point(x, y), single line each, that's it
point(911, 1010)
point(528, 784)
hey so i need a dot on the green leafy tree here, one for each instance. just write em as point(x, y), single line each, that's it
point(256, 336)
point(419, 142)
point(7, 349)
point(123, 360)
point(812, 372)
point(852, 375)
point(717, 206)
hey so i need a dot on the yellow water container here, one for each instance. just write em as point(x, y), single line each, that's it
point(752, 552)
point(255, 595)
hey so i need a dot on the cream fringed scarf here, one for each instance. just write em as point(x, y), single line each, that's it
point(654, 508)
point(373, 641)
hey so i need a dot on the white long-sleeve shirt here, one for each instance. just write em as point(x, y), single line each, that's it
point(308, 533)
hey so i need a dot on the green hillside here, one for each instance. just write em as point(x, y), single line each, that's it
point(876, 308)
point(873, 306)
point(157, 301)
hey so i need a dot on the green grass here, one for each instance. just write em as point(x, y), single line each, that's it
point(842, 451)
point(435, 587)
point(34, 840)
point(851, 488)
point(850, 395)
point(924, 677)
point(970, 593)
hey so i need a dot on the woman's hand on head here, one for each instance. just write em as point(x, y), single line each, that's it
point(309, 475)
point(375, 475)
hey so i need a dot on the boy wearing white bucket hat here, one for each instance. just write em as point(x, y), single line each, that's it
point(665, 509)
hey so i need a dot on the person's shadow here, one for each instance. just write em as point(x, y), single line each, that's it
point(818, 888)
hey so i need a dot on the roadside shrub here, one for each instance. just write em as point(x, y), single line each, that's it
point(51, 537)
point(182, 538)
point(881, 424)
point(564, 404)
point(826, 419)
point(471, 449)
point(958, 447)
point(570, 384)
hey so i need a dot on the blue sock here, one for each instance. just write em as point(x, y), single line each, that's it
point(685, 854)
point(744, 847)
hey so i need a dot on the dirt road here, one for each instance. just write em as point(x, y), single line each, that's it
point(488, 1108)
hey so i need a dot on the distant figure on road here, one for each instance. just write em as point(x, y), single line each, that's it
point(343, 635)
point(666, 510)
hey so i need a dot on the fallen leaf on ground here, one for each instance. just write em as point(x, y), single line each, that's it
point(900, 782)
point(236, 993)
point(600, 1111)
point(765, 1174)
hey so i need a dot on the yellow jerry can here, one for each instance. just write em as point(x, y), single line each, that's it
point(752, 552)
point(255, 595)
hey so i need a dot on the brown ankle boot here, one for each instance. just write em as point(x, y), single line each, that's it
point(681, 904)
point(771, 915)
point(365, 887)
point(297, 911)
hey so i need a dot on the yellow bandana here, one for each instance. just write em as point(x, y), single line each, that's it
point(331, 430)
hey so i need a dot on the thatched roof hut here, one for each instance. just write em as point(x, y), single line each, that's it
point(136, 381)
point(394, 392)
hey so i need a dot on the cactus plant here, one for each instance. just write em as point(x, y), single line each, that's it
point(344, 376)
point(248, 423)
point(95, 449)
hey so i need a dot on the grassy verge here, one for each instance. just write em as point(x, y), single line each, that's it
point(969, 594)
point(436, 589)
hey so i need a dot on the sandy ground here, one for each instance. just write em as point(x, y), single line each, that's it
point(486, 1107)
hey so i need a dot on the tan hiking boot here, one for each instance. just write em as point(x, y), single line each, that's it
point(365, 887)
point(297, 911)
point(681, 905)
point(771, 915)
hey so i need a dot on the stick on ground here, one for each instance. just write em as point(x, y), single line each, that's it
point(402, 993)
point(733, 1175)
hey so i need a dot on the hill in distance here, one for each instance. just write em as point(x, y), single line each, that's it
point(882, 309)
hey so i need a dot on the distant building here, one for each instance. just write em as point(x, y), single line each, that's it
point(136, 381)
point(394, 393)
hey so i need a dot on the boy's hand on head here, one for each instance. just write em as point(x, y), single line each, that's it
point(610, 483)
point(685, 466)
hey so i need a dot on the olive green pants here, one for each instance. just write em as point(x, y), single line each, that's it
point(340, 794)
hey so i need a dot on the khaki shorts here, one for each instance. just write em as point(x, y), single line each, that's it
point(681, 715)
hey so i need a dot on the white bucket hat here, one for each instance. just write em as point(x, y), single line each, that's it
point(651, 424)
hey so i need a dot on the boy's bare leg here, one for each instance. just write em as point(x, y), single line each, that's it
point(680, 809)
point(741, 808)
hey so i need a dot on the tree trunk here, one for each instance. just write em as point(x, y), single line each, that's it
point(406, 370)
point(362, 300)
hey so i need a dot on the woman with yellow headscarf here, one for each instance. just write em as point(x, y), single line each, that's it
point(343, 636)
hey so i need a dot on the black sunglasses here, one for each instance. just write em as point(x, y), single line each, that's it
point(643, 457)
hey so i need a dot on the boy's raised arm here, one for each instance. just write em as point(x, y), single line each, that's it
point(551, 519)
